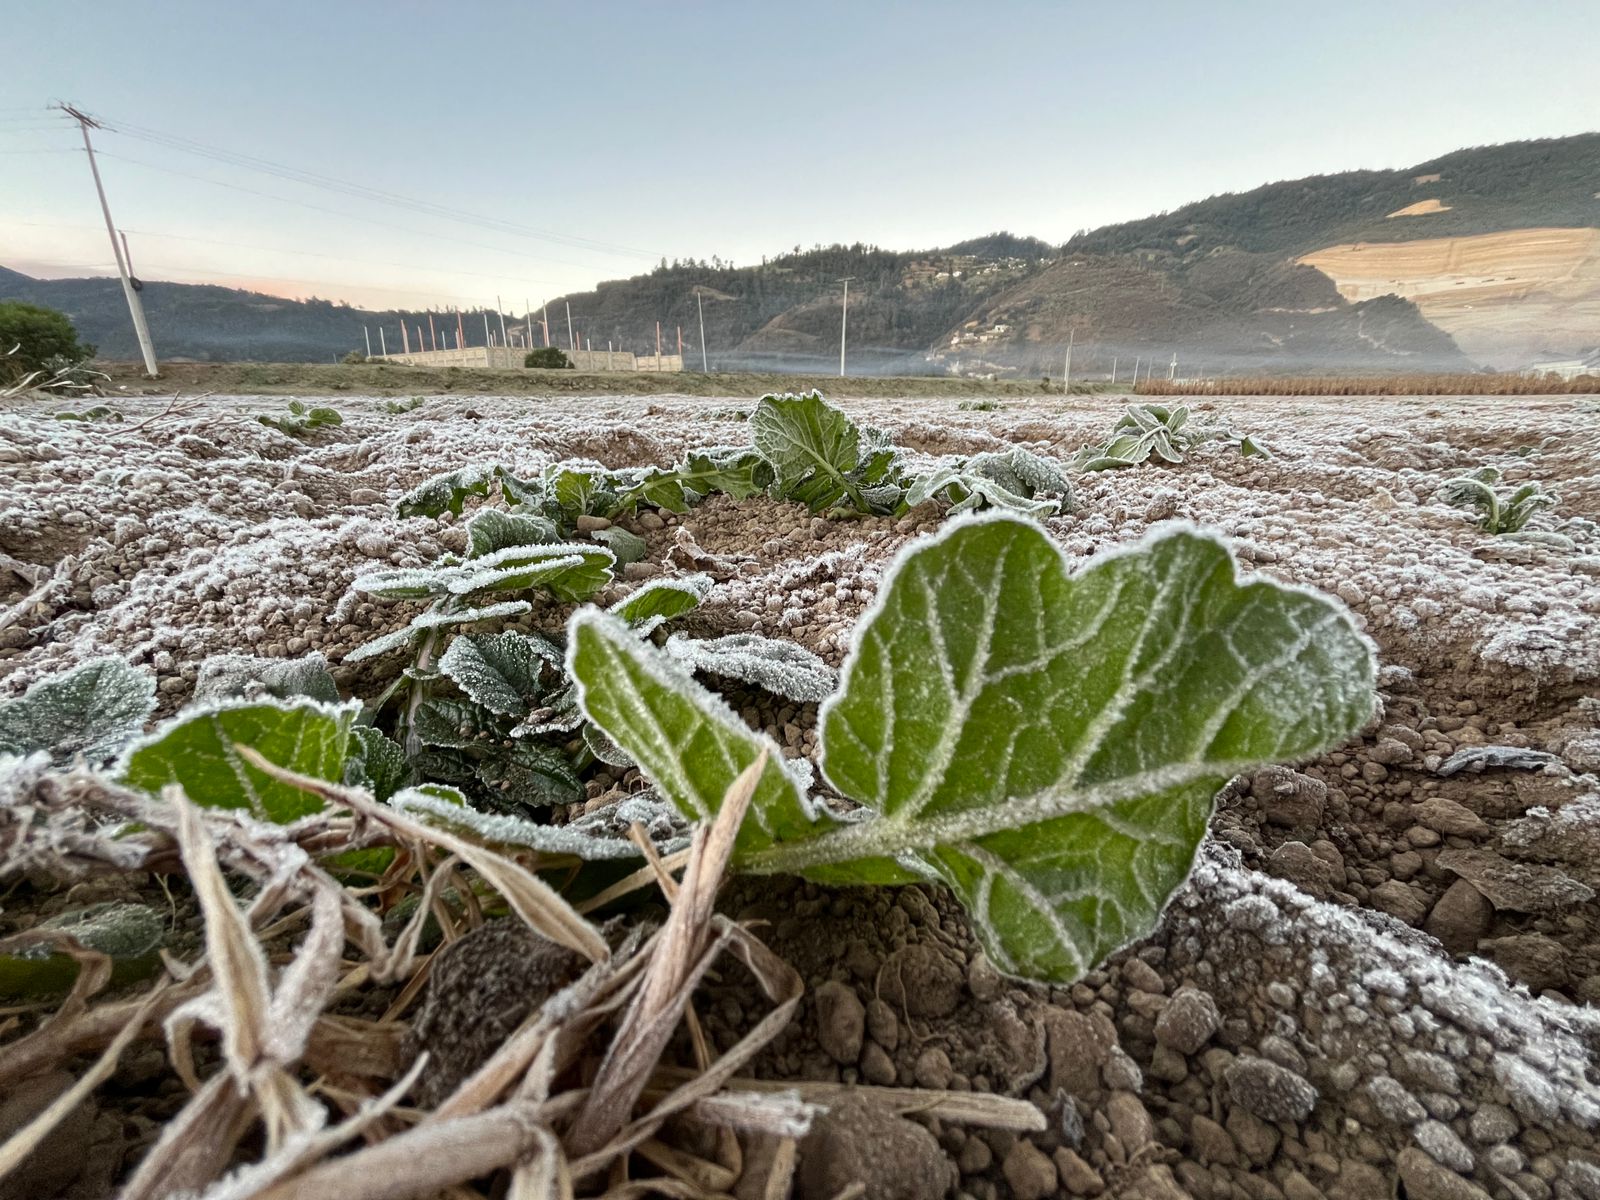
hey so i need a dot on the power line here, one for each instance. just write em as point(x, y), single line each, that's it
point(362, 191)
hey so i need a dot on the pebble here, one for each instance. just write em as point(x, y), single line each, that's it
point(1130, 1122)
point(1269, 1091)
point(1077, 1176)
point(1460, 917)
point(1400, 901)
point(1188, 1022)
point(1078, 1045)
point(1450, 818)
point(1425, 1179)
point(1288, 798)
point(366, 496)
point(1211, 1142)
point(1029, 1173)
point(1441, 1143)
point(857, 1141)
point(841, 1022)
point(1393, 1102)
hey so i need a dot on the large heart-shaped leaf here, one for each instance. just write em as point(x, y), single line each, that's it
point(1048, 745)
point(490, 530)
point(198, 750)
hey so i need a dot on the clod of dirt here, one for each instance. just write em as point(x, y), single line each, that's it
point(1188, 1021)
point(1461, 916)
point(920, 981)
point(857, 1142)
point(1289, 798)
point(1520, 887)
point(841, 1022)
point(59, 1159)
point(481, 987)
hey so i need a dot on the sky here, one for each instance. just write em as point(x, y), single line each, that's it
point(470, 150)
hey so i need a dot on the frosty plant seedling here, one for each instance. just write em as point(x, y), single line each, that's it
point(1154, 430)
point(1500, 511)
point(301, 418)
point(1046, 744)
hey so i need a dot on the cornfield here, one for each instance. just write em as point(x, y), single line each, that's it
point(1374, 385)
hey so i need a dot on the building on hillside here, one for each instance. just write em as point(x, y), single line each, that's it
point(1567, 368)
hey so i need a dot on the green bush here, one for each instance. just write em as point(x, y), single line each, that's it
point(40, 335)
point(549, 357)
point(354, 359)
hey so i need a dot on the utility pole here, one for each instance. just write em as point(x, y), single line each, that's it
point(700, 307)
point(433, 334)
point(1113, 370)
point(844, 321)
point(486, 341)
point(1172, 369)
point(1136, 359)
point(135, 307)
point(366, 333)
point(571, 345)
point(383, 344)
point(1066, 371)
point(545, 324)
point(500, 312)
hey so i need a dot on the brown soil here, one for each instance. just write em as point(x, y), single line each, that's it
point(1378, 981)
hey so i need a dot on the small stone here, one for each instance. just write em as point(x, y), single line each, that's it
point(1269, 1091)
point(1077, 1176)
point(1211, 1142)
point(373, 544)
point(1518, 886)
point(1140, 975)
point(1029, 1173)
point(588, 524)
point(857, 1142)
point(1288, 798)
point(932, 1069)
point(983, 981)
point(877, 1067)
point(1297, 1187)
point(1188, 1021)
point(1130, 1122)
point(1443, 1146)
point(882, 1024)
point(1450, 818)
point(1425, 1179)
point(1303, 867)
point(975, 1158)
point(1078, 1046)
point(1255, 1138)
point(1120, 1072)
point(366, 496)
point(1532, 958)
point(1493, 1123)
point(1400, 901)
point(1394, 1103)
point(1460, 917)
point(634, 572)
point(841, 1022)
point(650, 521)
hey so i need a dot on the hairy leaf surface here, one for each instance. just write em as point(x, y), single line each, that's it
point(1049, 745)
point(196, 750)
point(501, 671)
point(662, 600)
point(568, 570)
point(811, 446)
point(91, 710)
point(490, 530)
point(783, 668)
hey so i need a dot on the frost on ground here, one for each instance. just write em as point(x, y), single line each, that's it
point(1382, 968)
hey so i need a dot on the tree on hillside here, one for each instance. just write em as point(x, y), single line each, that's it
point(41, 336)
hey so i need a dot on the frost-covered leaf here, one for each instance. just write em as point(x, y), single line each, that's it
point(568, 570)
point(196, 750)
point(447, 492)
point(557, 713)
point(625, 547)
point(375, 762)
point(501, 671)
point(783, 668)
point(450, 724)
point(656, 487)
point(603, 748)
point(1011, 479)
point(490, 530)
point(407, 583)
point(530, 775)
point(739, 472)
point(595, 836)
point(662, 600)
point(91, 710)
point(685, 739)
point(423, 622)
point(1048, 745)
point(230, 675)
point(130, 934)
point(811, 446)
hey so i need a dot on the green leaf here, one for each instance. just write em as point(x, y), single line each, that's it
point(447, 492)
point(376, 762)
point(662, 600)
point(490, 529)
point(567, 570)
point(450, 724)
point(423, 622)
point(407, 583)
point(504, 672)
point(738, 472)
point(686, 739)
point(530, 775)
point(1048, 745)
point(196, 750)
point(91, 710)
point(811, 446)
point(626, 547)
point(783, 668)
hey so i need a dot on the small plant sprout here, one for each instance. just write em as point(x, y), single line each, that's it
point(1015, 479)
point(1500, 511)
point(301, 418)
point(1047, 744)
point(1146, 431)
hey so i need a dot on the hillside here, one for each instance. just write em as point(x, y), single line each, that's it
point(1485, 256)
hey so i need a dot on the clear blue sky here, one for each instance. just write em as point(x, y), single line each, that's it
point(738, 129)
